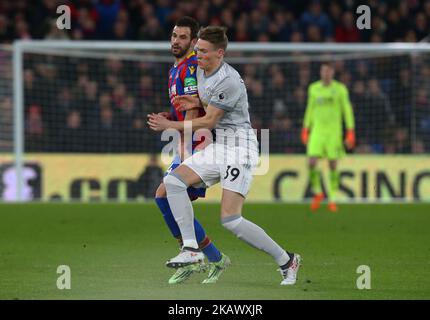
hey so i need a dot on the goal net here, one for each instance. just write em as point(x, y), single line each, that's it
point(92, 98)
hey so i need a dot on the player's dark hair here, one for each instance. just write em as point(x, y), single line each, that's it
point(328, 64)
point(190, 23)
point(215, 35)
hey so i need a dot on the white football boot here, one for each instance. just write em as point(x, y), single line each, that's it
point(290, 274)
point(186, 257)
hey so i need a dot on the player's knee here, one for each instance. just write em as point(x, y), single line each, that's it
point(161, 191)
point(173, 184)
point(231, 222)
point(332, 165)
point(313, 163)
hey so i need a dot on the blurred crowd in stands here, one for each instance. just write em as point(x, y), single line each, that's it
point(247, 20)
point(100, 105)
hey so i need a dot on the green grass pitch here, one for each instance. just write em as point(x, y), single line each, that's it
point(118, 251)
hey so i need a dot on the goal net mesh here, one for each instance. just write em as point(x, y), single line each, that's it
point(96, 101)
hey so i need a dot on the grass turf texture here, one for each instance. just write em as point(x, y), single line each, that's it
point(118, 251)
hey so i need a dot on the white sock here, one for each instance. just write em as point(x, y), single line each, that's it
point(182, 208)
point(256, 237)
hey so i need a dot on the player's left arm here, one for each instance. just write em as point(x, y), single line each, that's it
point(348, 116)
point(208, 121)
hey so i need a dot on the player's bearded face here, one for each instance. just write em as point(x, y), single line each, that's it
point(180, 41)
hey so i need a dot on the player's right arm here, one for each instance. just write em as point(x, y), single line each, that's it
point(186, 102)
point(307, 121)
point(208, 121)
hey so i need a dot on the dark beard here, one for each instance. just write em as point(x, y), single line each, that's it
point(181, 53)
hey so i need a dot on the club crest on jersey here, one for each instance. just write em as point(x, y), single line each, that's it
point(209, 91)
point(192, 69)
point(172, 90)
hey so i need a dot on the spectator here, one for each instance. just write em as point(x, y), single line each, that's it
point(297, 105)
point(120, 31)
point(31, 92)
point(6, 119)
point(153, 20)
point(335, 13)
point(347, 31)
point(55, 33)
point(107, 11)
point(313, 34)
point(151, 30)
point(86, 23)
point(380, 114)
point(5, 33)
point(275, 106)
point(107, 133)
point(315, 17)
point(163, 11)
point(72, 136)
point(150, 179)
point(281, 130)
point(88, 105)
point(401, 98)
point(378, 27)
point(395, 28)
point(258, 23)
point(34, 129)
point(241, 30)
point(258, 102)
point(421, 26)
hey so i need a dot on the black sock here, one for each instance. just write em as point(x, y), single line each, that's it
point(191, 249)
point(287, 265)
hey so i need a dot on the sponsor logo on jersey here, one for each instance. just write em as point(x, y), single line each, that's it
point(190, 89)
point(190, 81)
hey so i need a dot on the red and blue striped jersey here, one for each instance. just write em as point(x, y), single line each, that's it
point(182, 80)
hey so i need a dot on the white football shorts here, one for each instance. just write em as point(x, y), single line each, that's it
point(233, 166)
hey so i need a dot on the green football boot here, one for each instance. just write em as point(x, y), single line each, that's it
point(217, 268)
point(184, 273)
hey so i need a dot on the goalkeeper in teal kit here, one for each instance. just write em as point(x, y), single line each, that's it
point(327, 107)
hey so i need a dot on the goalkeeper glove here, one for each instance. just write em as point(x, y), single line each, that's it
point(305, 136)
point(350, 139)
